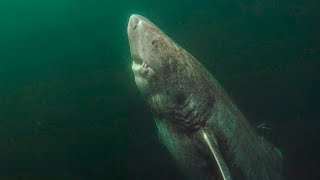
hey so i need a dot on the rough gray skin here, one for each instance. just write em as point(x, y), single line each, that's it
point(185, 100)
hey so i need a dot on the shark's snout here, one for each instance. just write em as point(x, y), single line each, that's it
point(136, 21)
point(138, 30)
point(134, 37)
point(133, 22)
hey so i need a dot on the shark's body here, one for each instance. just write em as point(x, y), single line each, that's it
point(197, 121)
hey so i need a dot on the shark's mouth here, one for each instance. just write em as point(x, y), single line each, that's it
point(145, 65)
point(141, 68)
point(139, 61)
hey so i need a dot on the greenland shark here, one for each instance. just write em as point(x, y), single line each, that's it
point(197, 121)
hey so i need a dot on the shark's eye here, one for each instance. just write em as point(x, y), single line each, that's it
point(155, 43)
point(180, 98)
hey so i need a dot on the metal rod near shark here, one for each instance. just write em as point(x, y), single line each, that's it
point(197, 121)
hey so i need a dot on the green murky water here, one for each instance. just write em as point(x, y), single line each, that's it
point(69, 108)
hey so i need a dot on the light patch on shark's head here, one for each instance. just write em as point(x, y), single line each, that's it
point(170, 79)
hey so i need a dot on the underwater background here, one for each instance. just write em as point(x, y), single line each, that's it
point(69, 107)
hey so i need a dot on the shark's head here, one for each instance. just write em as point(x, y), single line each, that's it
point(175, 85)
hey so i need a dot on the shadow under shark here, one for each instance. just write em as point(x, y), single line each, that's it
point(197, 121)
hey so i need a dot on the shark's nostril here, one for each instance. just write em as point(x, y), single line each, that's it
point(134, 21)
point(135, 27)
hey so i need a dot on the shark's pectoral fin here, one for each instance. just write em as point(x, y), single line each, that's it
point(212, 144)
